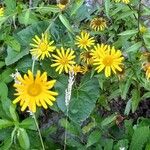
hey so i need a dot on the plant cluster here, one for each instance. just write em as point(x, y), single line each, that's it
point(75, 75)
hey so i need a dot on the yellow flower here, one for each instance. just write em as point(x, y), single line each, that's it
point(98, 50)
point(76, 69)
point(98, 24)
point(34, 91)
point(85, 69)
point(63, 60)
point(143, 29)
point(124, 1)
point(110, 59)
point(63, 3)
point(84, 41)
point(147, 69)
point(42, 47)
point(86, 57)
point(1, 12)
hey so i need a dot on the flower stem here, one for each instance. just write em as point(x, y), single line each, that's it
point(37, 126)
point(34, 117)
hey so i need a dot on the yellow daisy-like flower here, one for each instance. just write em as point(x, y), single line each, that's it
point(63, 60)
point(85, 69)
point(34, 91)
point(76, 69)
point(98, 24)
point(86, 57)
point(110, 59)
point(147, 69)
point(98, 50)
point(124, 1)
point(42, 47)
point(1, 12)
point(62, 4)
point(84, 41)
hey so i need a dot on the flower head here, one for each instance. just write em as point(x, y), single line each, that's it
point(42, 47)
point(98, 50)
point(110, 59)
point(34, 91)
point(98, 24)
point(86, 57)
point(63, 60)
point(84, 41)
point(1, 12)
point(124, 1)
point(76, 69)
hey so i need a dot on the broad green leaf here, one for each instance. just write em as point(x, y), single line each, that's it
point(108, 144)
point(128, 32)
point(83, 99)
point(5, 76)
point(27, 17)
point(65, 22)
point(76, 6)
point(28, 123)
point(93, 138)
point(134, 48)
point(140, 138)
point(5, 123)
point(23, 138)
point(107, 7)
point(13, 43)
point(135, 99)
point(7, 144)
point(10, 6)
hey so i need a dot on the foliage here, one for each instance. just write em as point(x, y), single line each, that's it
point(106, 111)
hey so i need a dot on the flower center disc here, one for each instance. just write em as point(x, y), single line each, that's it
point(108, 60)
point(64, 61)
point(84, 42)
point(43, 46)
point(34, 89)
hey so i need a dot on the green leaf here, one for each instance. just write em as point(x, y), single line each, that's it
point(10, 6)
point(107, 7)
point(108, 120)
point(48, 9)
point(83, 99)
point(13, 113)
point(65, 22)
point(13, 43)
point(128, 107)
point(28, 123)
point(5, 123)
point(134, 48)
point(13, 56)
point(135, 99)
point(5, 76)
point(23, 138)
point(60, 87)
point(93, 138)
point(140, 138)
point(2, 64)
point(128, 32)
point(27, 17)
point(77, 4)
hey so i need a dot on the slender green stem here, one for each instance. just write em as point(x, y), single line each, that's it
point(66, 126)
point(42, 143)
point(34, 117)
